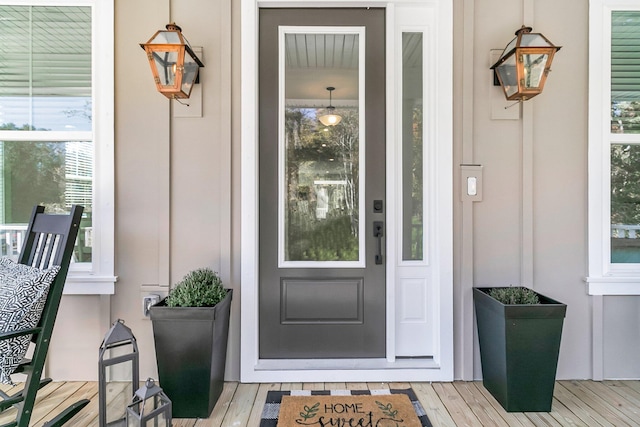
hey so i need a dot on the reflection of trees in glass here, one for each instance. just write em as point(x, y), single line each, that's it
point(321, 161)
point(345, 138)
point(625, 202)
point(625, 117)
point(33, 173)
point(625, 184)
point(85, 112)
point(417, 220)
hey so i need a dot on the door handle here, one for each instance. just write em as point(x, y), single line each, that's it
point(378, 233)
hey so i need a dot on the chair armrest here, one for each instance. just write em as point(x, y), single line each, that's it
point(21, 332)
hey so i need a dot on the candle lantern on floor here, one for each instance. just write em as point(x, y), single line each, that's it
point(150, 407)
point(118, 374)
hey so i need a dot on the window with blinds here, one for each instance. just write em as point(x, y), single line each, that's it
point(625, 71)
point(45, 67)
point(46, 111)
point(625, 137)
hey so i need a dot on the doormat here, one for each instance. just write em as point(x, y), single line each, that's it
point(343, 408)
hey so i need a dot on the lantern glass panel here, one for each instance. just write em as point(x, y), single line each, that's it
point(154, 411)
point(119, 390)
point(133, 415)
point(508, 75)
point(166, 37)
point(533, 39)
point(511, 45)
point(166, 64)
point(157, 421)
point(190, 73)
point(534, 64)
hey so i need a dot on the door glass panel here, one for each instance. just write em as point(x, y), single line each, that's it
point(412, 147)
point(321, 148)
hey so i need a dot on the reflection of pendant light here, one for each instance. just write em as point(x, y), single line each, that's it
point(330, 119)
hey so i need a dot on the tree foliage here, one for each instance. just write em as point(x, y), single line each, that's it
point(625, 184)
point(317, 153)
point(34, 173)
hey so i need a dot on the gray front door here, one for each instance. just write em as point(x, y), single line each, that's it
point(322, 183)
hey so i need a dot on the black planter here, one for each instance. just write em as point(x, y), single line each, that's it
point(519, 347)
point(191, 349)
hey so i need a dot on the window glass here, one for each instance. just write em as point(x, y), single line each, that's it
point(412, 147)
point(45, 86)
point(45, 68)
point(625, 203)
point(322, 150)
point(625, 119)
point(625, 72)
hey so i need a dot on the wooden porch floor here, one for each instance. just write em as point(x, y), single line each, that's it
point(576, 403)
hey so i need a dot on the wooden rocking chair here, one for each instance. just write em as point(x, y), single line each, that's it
point(49, 241)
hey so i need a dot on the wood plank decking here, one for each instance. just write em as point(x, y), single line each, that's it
point(576, 403)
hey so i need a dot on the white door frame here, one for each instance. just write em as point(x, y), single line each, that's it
point(434, 18)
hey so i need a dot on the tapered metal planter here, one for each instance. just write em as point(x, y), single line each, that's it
point(519, 348)
point(191, 349)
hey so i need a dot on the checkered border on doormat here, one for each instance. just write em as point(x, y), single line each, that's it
point(274, 398)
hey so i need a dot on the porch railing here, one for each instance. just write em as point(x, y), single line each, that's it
point(624, 231)
point(12, 236)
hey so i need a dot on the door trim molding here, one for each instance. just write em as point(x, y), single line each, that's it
point(440, 366)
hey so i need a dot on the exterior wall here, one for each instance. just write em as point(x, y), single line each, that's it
point(621, 337)
point(173, 177)
point(530, 228)
point(178, 181)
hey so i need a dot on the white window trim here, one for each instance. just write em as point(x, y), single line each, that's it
point(97, 277)
point(604, 277)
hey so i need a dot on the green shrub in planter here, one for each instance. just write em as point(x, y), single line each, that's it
point(200, 288)
point(515, 295)
point(190, 330)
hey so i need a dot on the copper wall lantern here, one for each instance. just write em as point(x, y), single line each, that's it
point(173, 63)
point(524, 64)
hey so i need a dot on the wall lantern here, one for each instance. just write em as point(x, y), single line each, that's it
point(173, 63)
point(524, 64)
point(150, 407)
point(118, 374)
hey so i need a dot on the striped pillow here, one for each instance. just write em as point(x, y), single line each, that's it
point(23, 293)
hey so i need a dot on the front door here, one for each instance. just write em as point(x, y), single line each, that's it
point(322, 183)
